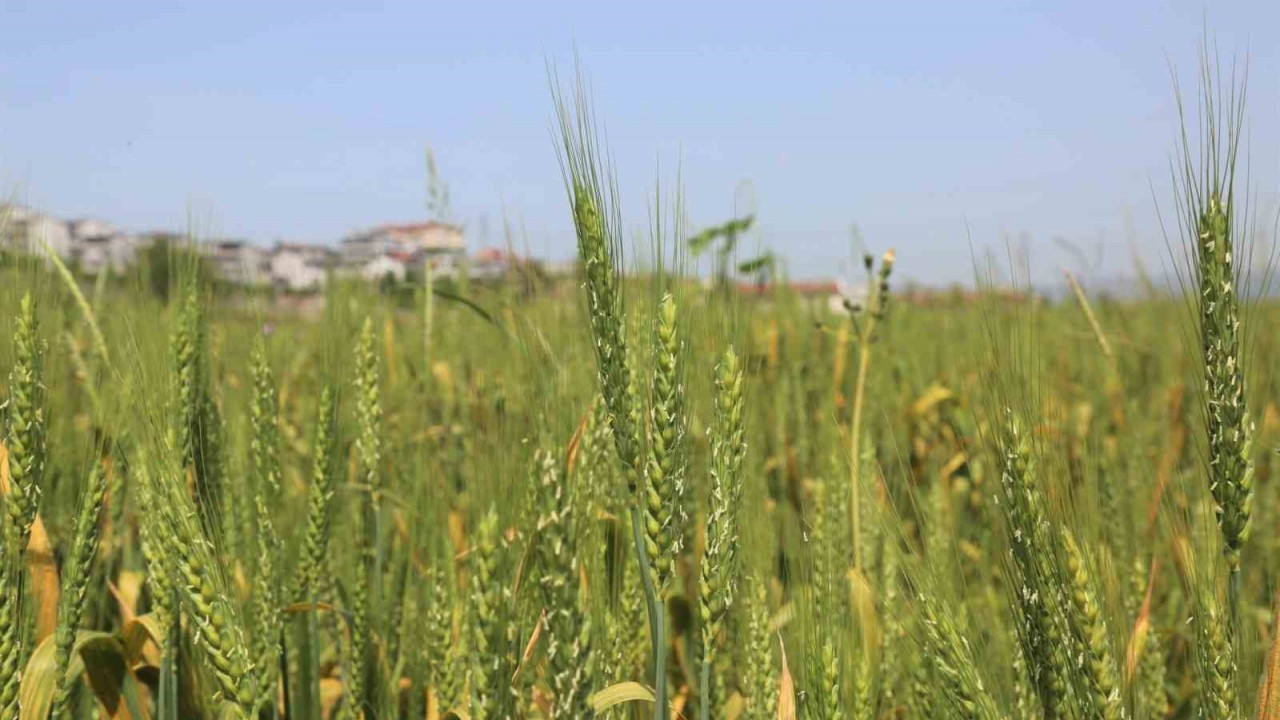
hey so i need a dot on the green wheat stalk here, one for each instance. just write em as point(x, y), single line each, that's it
point(718, 572)
point(77, 574)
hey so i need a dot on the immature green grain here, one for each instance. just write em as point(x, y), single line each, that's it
point(1092, 644)
point(761, 672)
point(664, 514)
point(823, 701)
point(491, 696)
point(410, 633)
point(369, 445)
point(117, 504)
point(1213, 222)
point(216, 622)
point(399, 627)
point(368, 570)
point(893, 633)
point(1150, 684)
point(1215, 662)
point(832, 606)
point(237, 504)
point(569, 648)
point(608, 329)
point(268, 621)
point(941, 531)
point(24, 437)
point(315, 541)
point(189, 364)
point(1033, 572)
point(218, 627)
point(265, 449)
point(662, 500)
point(864, 695)
point(598, 247)
point(199, 421)
point(264, 419)
point(595, 464)
point(438, 644)
point(10, 640)
point(369, 411)
point(77, 573)
point(870, 531)
point(922, 701)
point(718, 571)
point(355, 704)
point(452, 676)
point(954, 666)
point(162, 580)
point(1229, 428)
point(1151, 699)
point(24, 428)
point(624, 651)
point(1025, 703)
point(831, 548)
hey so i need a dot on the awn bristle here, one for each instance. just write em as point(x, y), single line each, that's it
point(199, 422)
point(605, 310)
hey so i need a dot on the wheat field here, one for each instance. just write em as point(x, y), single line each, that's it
point(637, 494)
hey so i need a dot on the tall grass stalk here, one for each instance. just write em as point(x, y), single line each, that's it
point(1215, 222)
point(596, 225)
point(865, 321)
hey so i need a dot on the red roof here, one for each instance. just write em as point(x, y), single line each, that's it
point(414, 227)
point(496, 255)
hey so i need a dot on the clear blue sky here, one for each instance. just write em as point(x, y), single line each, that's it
point(926, 124)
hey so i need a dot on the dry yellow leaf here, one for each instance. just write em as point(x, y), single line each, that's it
point(44, 579)
point(786, 688)
point(1269, 693)
point(623, 692)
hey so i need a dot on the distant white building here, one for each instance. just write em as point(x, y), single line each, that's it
point(28, 231)
point(106, 253)
point(444, 266)
point(98, 247)
point(387, 265)
point(89, 228)
point(92, 246)
point(441, 242)
point(300, 268)
point(239, 262)
point(493, 263)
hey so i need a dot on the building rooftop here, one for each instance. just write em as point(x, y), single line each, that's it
point(430, 235)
